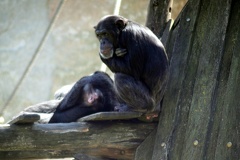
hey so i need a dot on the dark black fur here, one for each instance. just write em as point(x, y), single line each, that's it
point(141, 72)
point(74, 105)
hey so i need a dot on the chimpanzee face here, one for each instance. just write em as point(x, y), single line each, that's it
point(107, 31)
point(91, 95)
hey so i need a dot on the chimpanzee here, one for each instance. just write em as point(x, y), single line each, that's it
point(89, 95)
point(138, 59)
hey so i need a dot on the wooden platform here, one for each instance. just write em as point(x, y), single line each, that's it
point(25, 139)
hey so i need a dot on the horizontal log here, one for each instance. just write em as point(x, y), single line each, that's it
point(108, 139)
point(25, 118)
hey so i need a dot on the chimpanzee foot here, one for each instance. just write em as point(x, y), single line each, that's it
point(146, 117)
point(149, 117)
point(121, 108)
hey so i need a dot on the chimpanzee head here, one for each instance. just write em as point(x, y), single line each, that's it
point(107, 31)
point(91, 96)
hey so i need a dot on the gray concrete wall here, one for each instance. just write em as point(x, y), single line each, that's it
point(69, 51)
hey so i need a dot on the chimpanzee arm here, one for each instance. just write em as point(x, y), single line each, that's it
point(118, 64)
point(71, 98)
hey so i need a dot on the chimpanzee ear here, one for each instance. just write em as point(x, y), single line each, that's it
point(120, 23)
point(95, 27)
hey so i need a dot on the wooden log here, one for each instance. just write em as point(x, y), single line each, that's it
point(107, 139)
point(200, 114)
point(177, 97)
point(145, 150)
point(24, 118)
point(159, 14)
point(102, 116)
point(224, 139)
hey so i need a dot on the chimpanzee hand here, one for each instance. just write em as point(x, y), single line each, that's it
point(120, 52)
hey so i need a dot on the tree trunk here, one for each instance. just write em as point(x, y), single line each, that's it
point(200, 118)
point(159, 13)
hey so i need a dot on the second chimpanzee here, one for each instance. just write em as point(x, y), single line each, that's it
point(89, 95)
point(138, 59)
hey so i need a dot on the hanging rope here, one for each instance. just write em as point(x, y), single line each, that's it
point(36, 53)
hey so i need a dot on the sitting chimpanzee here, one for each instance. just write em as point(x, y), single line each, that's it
point(139, 61)
point(89, 95)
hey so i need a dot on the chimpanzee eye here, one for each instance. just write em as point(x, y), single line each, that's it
point(99, 36)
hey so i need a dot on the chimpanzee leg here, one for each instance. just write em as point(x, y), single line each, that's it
point(71, 115)
point(134, 93)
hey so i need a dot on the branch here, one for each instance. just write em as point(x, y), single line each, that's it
point(109, 139)
point(159, 13)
